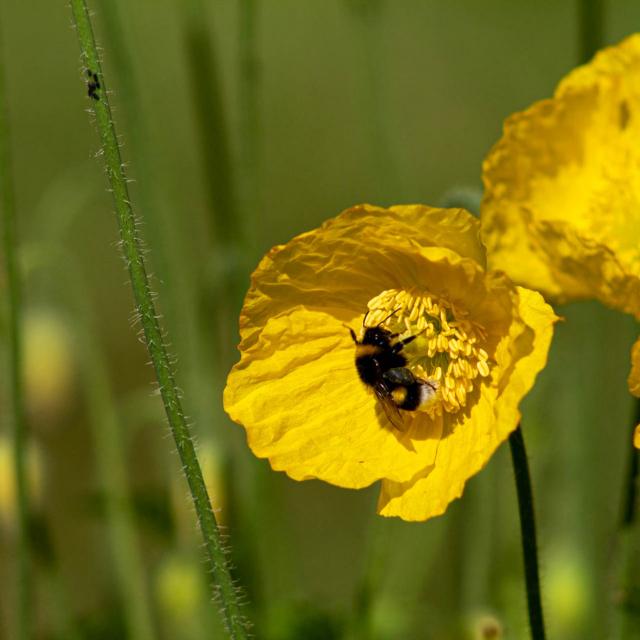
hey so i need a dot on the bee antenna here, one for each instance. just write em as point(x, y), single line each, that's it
point(364, 320)
point(351, 331)
point(393, 313)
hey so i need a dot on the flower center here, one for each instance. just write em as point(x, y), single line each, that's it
point(447, 350)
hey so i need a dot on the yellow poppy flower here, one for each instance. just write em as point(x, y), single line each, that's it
point(414, 271)
point(561, 209)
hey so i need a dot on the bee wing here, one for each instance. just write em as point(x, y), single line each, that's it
point(389, 406)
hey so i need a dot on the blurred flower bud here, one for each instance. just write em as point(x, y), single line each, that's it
point(465, 197)
point(485, 626)
point(8, 493)
point(636, 437)
point(566, 591)
point(48, 366)
point(180, 588)
point(389, 619)
point(213, 468)
point(213, 465)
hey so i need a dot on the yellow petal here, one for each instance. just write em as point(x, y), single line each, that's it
point(303, 406)
point(351, 258)
point(561, 210)
point(634, 375)
point(636, 437)
point(467, 446)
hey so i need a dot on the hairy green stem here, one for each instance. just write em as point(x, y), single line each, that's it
point(223, 583)
point(14, 303)
point(591, 28)
point(528, 531)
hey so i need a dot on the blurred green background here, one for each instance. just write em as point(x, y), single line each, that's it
point(244, 123)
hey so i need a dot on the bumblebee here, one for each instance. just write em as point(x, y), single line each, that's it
point(382, 366)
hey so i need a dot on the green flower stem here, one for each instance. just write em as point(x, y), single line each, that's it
point(207, 97)
point(368, 18)
point(224, 587)
point(627, 614)
point(479, 539)
point(528, 531)
point(61, 609)
point(626, 621)
point(110, 461)
point(591, 28)
point(248, 100)
point(630, 499)
point(228, 231)
point(109, 449)
point(376, 557)
point(14, 300)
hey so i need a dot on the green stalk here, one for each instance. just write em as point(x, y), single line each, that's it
point(228, 231)
point(376, 558)
point(109, 449)
point(591, 28)
point(207, 97)
point(627, 614)
point(224, 587)
point(249, 131)
point(14, 299)
point(368, 19)
point(630, 499)
point(110, 459)
point(479, 539)
point(528, 531)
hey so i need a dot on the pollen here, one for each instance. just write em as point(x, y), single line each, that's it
point(447, 350)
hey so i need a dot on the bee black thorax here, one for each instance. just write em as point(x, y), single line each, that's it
point(372, 361)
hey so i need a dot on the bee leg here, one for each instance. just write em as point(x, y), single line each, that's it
point(398, 346)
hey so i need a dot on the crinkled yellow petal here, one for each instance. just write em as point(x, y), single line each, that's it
point(350, 258)
point(634, 376)
point(467, 447)
point(561, 210)
point(304, 407)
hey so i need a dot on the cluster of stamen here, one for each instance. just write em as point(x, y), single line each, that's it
point(447, 350)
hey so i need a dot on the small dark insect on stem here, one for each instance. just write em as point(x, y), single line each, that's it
point(93, 84)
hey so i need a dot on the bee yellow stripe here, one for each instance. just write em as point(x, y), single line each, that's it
point(363, 350)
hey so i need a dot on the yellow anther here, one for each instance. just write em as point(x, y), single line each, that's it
point(447, 351)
